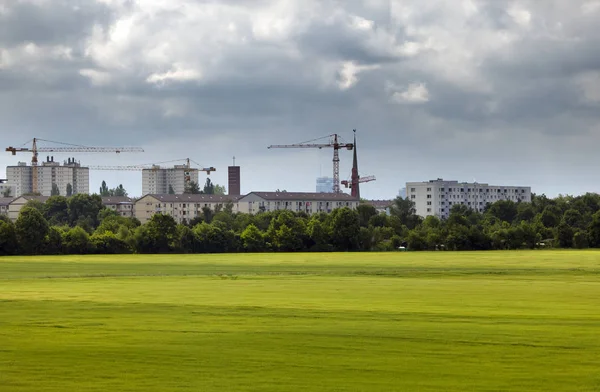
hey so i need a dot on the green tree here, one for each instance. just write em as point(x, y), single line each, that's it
point(171, 190)
point(53, 244)
point(220, 190)
point(404, 209)
point(119, 191)
point(55, 191)
point(31, 229)
point(344, 229)
point(84, 210)
point(564, 235)
point(317, 232)
point(108, 243)
point(365, 213)
point(505, 210)
point(104, 191)
point(161, 231)
point(8, 238)
point(580, 240)
point(209, 188)
point(76, 241)
point(192, 188)
point(69, 190)
point(286, 240)
point(7, 192)
point(56, 210)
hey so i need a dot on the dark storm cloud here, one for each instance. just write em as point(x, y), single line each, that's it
point(55, 22)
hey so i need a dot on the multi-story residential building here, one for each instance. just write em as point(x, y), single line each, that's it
point(15, 205)
point(324, 185)
point(50, 174)
point(183, 207)
point(4, 203)
point(436, 197)
point(157, 180)
point(310, 203)
point(120, 204)
point(7, 190)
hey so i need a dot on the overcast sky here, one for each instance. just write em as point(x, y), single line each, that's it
point(501, 92)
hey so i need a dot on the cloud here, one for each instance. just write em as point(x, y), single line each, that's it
point(414, 93)
point(223, 78)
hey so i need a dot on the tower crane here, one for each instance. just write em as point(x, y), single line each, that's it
point(66, 148)
point(349, 184)
point(153, 166)
point(334, 142)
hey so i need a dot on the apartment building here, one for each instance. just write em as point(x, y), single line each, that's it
point(49, 174)
point(120, 204)
point(183, 207)
point(157, 180)
point(4, 203)
point(16, 204)
point(310, 203)
point(7, 190)
point(436, 197)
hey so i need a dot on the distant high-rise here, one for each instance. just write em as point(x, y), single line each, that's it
point(234, 180)
point(70, 177)
point(157, 180)
point(324, 185)
point(402, 193)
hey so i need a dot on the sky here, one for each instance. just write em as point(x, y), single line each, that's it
point(494, 91)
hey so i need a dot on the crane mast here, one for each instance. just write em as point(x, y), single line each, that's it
point(333, 143)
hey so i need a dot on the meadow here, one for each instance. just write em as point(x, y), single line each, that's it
point(440, 321)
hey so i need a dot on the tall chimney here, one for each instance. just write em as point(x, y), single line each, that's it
point(234, 181)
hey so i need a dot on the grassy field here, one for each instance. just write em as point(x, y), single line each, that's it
point(497, 321)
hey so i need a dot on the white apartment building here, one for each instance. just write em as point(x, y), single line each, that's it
point(310, 203)
point(184, 207)
point(49, 173)
point(157, 180)
point(436, 197)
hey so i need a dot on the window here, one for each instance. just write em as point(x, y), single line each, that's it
point(429, 210)
point(429, 196)
point(428, 203)
point(462, 189)
point(412, 189)
point(428, 189)
point(411, 196)
point(441, 189)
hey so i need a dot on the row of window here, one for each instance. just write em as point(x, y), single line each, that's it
point(487, 190)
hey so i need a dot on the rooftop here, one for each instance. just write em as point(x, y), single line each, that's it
point(311, 196)
point(111, 200)
point(192, 198)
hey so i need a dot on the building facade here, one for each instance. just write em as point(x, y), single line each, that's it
point(15, 205)
point(324, 185)
point(7, 190)
point(183, 208)
point(234, 181)
point(436, 197)
point(309, 203)
point(157, 180)
point(50, 174)
point(120, 204)
point(4, 204)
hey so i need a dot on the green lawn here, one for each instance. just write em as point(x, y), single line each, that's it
point(496, 321)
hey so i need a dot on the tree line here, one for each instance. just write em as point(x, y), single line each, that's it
point(81, 225)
